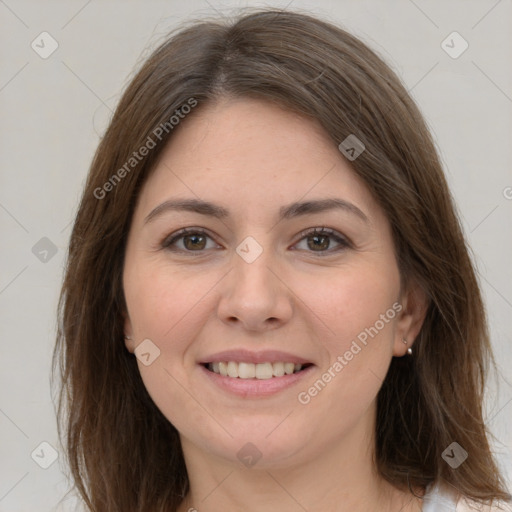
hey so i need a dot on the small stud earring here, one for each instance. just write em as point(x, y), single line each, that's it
point(409, 350)
point(127, 338)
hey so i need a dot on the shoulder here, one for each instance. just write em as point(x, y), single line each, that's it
point(446, 495)
point(468, 505)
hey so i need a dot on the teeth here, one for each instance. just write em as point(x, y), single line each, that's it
point(289, 368)
point(232, 369)
point(223, 369)
point(260, 371)
point(278, 369)
point(246, 370)
point(264, 371)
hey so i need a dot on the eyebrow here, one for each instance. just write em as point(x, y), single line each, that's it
point(285, 212)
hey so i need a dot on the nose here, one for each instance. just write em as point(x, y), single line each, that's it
point(255, 295)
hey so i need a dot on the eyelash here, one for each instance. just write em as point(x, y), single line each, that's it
point(173, 238)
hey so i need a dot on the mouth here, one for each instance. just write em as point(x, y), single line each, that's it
point(250, 374)
point(260, 371)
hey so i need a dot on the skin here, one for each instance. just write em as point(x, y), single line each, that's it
point(252, 158)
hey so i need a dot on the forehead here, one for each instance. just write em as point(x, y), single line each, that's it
point(249, 153)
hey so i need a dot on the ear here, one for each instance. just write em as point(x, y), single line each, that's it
point(128, 334)
point(415, 304)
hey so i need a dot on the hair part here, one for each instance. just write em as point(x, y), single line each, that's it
point(113, 430)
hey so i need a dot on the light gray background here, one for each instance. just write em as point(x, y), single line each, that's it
point(53, 110)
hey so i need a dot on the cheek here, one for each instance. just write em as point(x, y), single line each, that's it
point(351, 301)
point(161, 303)
point(359, 306)
point(166, 309)
point(363, 310)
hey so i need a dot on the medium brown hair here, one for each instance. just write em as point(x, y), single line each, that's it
point(124, 455)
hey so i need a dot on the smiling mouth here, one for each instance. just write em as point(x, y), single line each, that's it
point(262, 371)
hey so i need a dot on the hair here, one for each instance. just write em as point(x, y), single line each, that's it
point(124, 455)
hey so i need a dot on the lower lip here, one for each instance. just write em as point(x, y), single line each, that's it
point(256, 388)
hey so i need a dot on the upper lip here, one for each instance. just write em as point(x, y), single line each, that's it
point(247, 356)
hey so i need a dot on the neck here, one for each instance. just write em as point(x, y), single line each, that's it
point(339, 478)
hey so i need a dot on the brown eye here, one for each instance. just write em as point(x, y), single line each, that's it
point(195, 242)
point(320, 241)
point(192, 240)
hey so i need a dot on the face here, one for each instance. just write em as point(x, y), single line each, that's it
point(268, 321)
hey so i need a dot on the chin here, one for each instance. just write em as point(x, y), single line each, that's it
point(257, 442)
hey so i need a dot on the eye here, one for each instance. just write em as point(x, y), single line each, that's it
point(319, 240)
point(194, 240)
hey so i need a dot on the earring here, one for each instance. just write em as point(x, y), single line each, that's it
point(409, 350)
point(127, 338)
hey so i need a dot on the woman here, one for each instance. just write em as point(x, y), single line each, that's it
point(269, 303)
